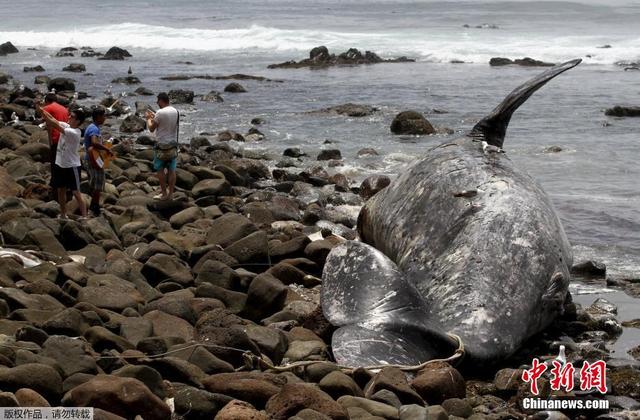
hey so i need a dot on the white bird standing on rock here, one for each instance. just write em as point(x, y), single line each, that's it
point(15, 120)
point(488, 148)
point(562, 357)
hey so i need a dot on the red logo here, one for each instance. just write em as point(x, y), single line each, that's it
point(592, 375)
point(533, 374)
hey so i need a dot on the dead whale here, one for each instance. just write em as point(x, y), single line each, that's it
point(462, 242)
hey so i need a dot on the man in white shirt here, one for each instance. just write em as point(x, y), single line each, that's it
point(65, 173)
point(165, 124)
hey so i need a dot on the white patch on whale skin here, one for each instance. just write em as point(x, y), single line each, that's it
point(522, 242)
point(479, 317)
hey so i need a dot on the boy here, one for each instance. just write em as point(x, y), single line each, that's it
point(66, 169)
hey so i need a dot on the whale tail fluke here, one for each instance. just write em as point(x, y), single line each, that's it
point(382, 318)
point(493, 127)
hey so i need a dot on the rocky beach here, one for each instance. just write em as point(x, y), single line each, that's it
point(207, 306)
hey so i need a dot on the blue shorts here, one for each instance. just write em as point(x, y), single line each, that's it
point(161, 164)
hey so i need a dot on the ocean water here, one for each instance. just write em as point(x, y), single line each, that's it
point(593, 182)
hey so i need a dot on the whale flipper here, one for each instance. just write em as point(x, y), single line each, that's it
point(383, 317)
point(493, 127)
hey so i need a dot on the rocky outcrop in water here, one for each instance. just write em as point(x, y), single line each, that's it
point(411, 122)
point(115, 53)
point(8, 48)
point(623, 111)
point(526, 62)
point(320, 57)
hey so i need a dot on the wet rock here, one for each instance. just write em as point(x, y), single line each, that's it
point(181, 96)
point(589, 268)
point(132, 124)
point(148, 376)
point(115, 53)
point(266, 295)
point(411, 122)
point(41, 378)
point(229, 228)
point(69, 354)
point(8, 48)
point(394, 380)
point(413, 412)
point(123, 396)
point(196, 404)
point(329, 154)
point(61, 84)
point(253, 387)
point(293, 398)
point(165, 324)
point(8, 399)
point(127, 80)
point(103, 339)
point(623, 111)
point(320, 57)
point(625, 381)
point(306, 350)
point(75, 68)
point(161, 268)
point(143, 91)
point(374, 408)
point(236, 410)
point(526, 61)
point(439, 382)
point(213, 96)
point(553, 149)
point(351, 110)
point(337, 384)
point(29, 398)
point(253, 248)
point(234, 88)
point(508, 379)
point(208, 187)
point(457, 407)
point(175, 369)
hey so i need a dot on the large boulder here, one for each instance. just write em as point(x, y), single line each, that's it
point(411, 122)
point(126, 397)
point(293, 398)
point(623, 111)
point(8, 48)
point(62, 83)
point(181, 96)
point(75, 68)
point(132, 124)
point(115, 53)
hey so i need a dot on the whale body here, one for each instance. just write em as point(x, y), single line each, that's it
point(464, 242)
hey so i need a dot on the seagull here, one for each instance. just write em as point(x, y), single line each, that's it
point(562, 357)
point(107, 91)
point(15, 120)
point(53, 90)
point(21, 88)
point(488, 148)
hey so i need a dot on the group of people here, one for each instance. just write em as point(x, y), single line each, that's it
point(65, 137)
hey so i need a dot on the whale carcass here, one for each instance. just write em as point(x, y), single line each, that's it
point(462, 242)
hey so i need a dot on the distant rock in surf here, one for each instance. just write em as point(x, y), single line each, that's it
point(527, 62)
point(320, 57)
point(115, 53)
point(350, 110)
point(411, 122)
point(8, 48)
point(623, 111)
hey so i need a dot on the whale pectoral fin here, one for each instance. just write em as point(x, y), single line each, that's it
point(493, 127)
point(357, 346)
point(384, 318)
point(360, 283)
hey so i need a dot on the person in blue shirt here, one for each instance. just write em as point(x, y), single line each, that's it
point(92, 164)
